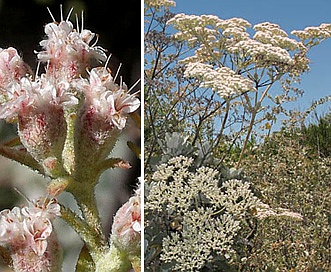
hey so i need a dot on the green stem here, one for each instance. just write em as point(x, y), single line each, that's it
point(90, 236)
point(255, 110)
point(84, 195)
point(22, 156)
point(115, 260)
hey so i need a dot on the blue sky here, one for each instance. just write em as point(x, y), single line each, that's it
point(290, 15)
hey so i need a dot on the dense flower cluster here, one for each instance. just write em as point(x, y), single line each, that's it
point(40, 104)
point(69, 119)
point(226, 43)
point(28, 233)
point(269, 33)
point(69, 50)
point(314, 32)
point(265, 211)
point(126, 228)
point(222, 80)
point(106, 98)
point(159, 3)
point(204, 217)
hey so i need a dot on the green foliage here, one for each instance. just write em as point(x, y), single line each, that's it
point(318, 135)
point(287, 176)
point(208, 97)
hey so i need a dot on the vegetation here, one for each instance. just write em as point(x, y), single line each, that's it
point(223, 191)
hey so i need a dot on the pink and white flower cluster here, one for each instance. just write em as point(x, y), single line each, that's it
point(126, 228)
point(28, 234)
point(42, 103)
point(106, 98)
point(69, 50)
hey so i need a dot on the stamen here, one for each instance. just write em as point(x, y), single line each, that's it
point(53, 30)
point(121, 82)
point(50, 13)
point(96, 40)
point(37, 70)
point(61, 12)
point(69, 14)
point(107, 61)
point(77, 22)
point(22, 195)
point(82, 20)
point(118, 70)
point(134, 85)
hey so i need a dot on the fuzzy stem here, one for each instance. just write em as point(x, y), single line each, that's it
point(85, 261)
point(21, 156)
point(114, 260)
point(84, 195)
point(89, 235)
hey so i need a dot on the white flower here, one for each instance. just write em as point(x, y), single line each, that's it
point(268, 33)
point(26, 95)
point(159, 3)
point(12, 67)
point(222, 80)
point(126, 229)
point(314, 32)
point(261, 53)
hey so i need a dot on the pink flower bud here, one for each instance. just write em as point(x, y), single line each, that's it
point(126, 228)
point(43, 132)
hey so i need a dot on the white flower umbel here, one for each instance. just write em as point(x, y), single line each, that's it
point(222, 80)
point(159, 3)
point(204, 218)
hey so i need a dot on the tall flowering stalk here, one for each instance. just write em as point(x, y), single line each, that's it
point(69, 119)
point(222, 81)
point(235, 65)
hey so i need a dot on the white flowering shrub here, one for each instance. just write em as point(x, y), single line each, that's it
point(69, 114)
point(214, 81)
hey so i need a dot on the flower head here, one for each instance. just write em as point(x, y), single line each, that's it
point(127, 225)
point(12, 67)
point(106, 99)
point(68, 50)
point(160, 3)
point(28, 233)
point(222, 80)
point(27, 95)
